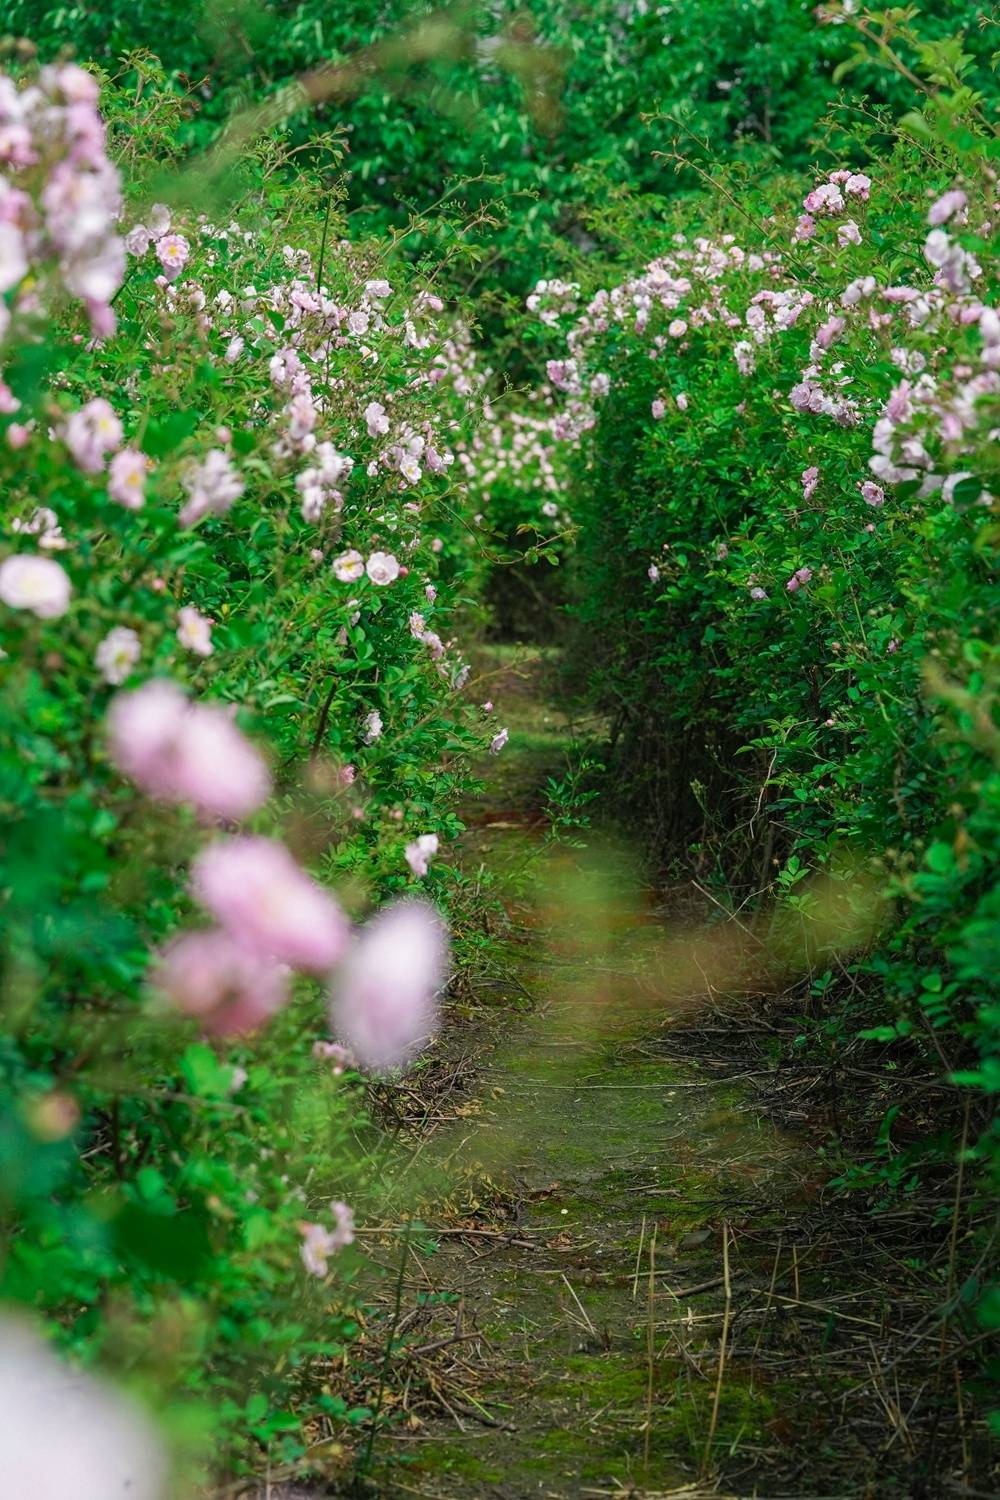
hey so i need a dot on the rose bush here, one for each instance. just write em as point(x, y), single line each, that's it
point(236, 541)
point(777, 436)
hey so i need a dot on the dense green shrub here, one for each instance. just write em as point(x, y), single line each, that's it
point(234, 488)
point(541, 108)
point(779, 452)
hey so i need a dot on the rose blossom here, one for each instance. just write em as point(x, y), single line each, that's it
point(373, 727)
point(382, 568)
point(43, 523)
point(498, 741)
point(138, 240)
point(213, 486)
point(318, 1244)
point(384, 1000)
point(949, 204)
point(117, 654)
point(179, 751)
point(259, 894)
point(194, 631)
point(92, 432)
point(332, 1052)
point(172, 251)
point(348, 566)
point(35, 583)
point(376, 418)
point(127, 478)
point(420, 853)
point(215, 978)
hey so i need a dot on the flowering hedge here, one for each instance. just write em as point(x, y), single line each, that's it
point(232, 722)
point(777, 440)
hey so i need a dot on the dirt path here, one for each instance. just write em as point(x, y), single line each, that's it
point(631, 1295)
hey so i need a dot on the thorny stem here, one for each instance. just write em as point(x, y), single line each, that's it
point(322, 243)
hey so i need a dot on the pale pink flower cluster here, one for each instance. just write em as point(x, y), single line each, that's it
point(255, 890)
point(318, 485)
point(43, 523)
point(180, 751)
point(376, 419)
point(333, 1053)
point(951, 205)
point(830, 199)
point(929, 423)
point(194, 631)
point(92, 433)
point(60, 194)
point(318, 1244)
point(272, 918)
point(214, 978)
point(428, 638)
point(809, 395)
point(810, 479)
point(172, 250)
point(954, 268)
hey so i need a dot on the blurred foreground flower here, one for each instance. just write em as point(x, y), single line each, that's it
point(384, 1002)
point(65, 1434)
point(35, 583)
point(179, 751)
point(270, 906)
point(213, 977)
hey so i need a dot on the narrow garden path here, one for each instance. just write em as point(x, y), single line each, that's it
point(631, 1293)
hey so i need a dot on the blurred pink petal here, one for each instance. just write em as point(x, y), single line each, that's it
point(384, 1003)
point(256, 890)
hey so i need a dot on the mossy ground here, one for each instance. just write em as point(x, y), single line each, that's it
point(621, 1167)
point(610, 1191)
